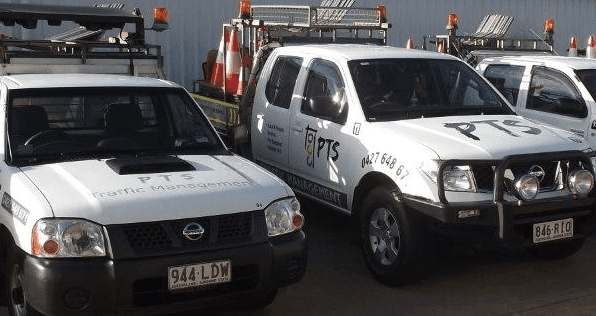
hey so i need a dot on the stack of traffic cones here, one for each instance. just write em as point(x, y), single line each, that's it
point(246, 64)
point(233, 63)
point(590, 53)
point(572, 47)
point(217, 74)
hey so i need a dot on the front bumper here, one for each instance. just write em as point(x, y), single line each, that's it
point(85, 286)
point(505, 218)
point(506, 223)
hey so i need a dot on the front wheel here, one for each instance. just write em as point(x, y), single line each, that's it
point(388, 238)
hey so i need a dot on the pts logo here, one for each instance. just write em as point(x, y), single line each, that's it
point(325, 145)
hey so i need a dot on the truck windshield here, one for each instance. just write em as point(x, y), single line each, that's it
point(394, 89)
point(49, 125)
point(588, 78)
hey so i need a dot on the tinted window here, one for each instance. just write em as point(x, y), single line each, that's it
point(507, 79)
point(391, 89)
point(552, 91)
point(48, 125)
point(588, 78)
point(281, 82)
point(324, 94)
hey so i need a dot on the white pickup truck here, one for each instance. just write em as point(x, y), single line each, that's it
point(555, 91)
point(410, 142)
point(118, 197)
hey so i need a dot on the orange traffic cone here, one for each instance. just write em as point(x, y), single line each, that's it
point(233, 63)
point(441, 47)
point(572, 47)
point(217, 73)
point(590, 53)
point(244, 72)
point(410, 43)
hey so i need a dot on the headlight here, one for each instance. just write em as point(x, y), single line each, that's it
point(581, 182)
point(283, 217)
point(459, 178)
point(67, 238)
point(527, 187)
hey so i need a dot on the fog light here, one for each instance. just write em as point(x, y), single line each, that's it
point(468, 213)
point(76, 298)
point(527, 187)
point(581, 182)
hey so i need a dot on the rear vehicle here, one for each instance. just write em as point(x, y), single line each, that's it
point(118, 197)
point(556, 91)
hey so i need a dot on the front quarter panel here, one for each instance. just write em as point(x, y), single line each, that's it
point(399, 159)
point(22, 205)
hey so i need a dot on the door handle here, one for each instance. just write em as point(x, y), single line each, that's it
point(297, 128)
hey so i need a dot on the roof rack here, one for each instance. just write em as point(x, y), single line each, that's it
point(85, 44)
point(490, 36)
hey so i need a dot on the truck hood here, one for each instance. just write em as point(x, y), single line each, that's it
point(483, 137)
point(93, 190)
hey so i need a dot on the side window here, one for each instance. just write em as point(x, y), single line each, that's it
point(280, 86)
point(551, 91)
point(507, 79)
point(324, 93)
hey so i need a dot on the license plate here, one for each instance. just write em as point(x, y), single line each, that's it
point(199, 274)
point(554, 230)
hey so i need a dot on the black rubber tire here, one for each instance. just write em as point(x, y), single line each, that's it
point(388, 238)
point(556, 251)
point(17, 300)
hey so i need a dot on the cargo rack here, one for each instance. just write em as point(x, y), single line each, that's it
point(490, 39)
point(81, 47)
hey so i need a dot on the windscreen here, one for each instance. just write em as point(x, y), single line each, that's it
point(394, 89)
point(49, 125)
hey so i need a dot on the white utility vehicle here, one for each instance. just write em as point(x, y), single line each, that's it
point(409, 141)
point(119, 197)
point(556, 91)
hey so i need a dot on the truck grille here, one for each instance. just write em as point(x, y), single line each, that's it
point(167, 236)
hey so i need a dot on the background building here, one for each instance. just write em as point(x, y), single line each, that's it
point(195, 25)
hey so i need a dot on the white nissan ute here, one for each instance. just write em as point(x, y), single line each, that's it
point(118, 197)
point(410, 142)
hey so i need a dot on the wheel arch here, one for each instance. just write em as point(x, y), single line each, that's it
point(368, 182)
point(6, 242)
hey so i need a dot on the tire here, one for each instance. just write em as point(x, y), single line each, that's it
point(388, 239)
point(557, 250)
point(17, 298)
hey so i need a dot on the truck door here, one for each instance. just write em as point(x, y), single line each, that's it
point(554, 99)
point(271, 114)
point(318, 152)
